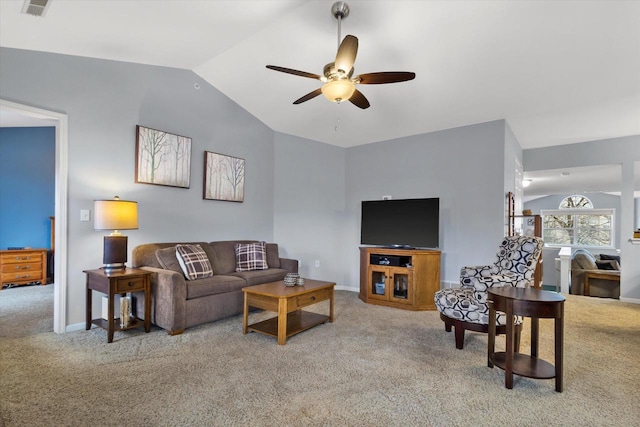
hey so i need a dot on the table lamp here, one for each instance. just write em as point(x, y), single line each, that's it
point(115, 215)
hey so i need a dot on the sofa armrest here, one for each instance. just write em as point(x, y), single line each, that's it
point(289, 264)
point(168, 300)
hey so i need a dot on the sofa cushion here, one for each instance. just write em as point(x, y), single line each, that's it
point(223, 259)
point(273, 256)
point(251, 256)
point(605, 257)
point(168, 260)
point(258, 277)
point(193, 261)
point(218, 284)
point(608, 265)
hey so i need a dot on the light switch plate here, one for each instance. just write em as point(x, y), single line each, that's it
point(85, 215)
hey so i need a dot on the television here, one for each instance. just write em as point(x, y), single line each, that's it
point(412, 223)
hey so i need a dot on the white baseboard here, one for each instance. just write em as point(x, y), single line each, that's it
point(75, 327)
point(631, 300)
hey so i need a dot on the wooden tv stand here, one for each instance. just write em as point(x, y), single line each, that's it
point(400, 278)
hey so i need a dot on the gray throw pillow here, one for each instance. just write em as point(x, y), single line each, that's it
point(608, 265)
point(273, 256)
point(167, 259)
point(251, 256)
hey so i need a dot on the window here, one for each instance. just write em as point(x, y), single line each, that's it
point(576, 223)
point(576, 202)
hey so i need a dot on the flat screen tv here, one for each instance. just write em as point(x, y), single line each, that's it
point(410, 223)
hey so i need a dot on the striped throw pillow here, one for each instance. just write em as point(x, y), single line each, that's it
point(251, 256)
point(193, 261)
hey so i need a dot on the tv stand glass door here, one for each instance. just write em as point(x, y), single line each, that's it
point(390, 284)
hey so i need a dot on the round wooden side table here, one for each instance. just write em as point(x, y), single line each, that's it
point(536, 304)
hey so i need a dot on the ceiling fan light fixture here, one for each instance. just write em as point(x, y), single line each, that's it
point(338, 90)
point(339, 84)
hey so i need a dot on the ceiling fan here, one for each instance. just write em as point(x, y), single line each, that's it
point(339, 82)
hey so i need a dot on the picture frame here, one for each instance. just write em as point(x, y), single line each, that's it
point(162, 158)
point(223, 177)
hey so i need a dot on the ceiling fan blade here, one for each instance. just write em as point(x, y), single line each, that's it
point(294, 72)
point(308, 96)
point(346, 56)
point(359, 100)
point(386, 77)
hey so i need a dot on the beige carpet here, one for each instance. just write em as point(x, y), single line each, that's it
point(374, 366)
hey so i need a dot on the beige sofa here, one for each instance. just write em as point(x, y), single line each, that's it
point(582, 263)
point(178, 303)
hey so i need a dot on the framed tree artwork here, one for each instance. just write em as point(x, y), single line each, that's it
point(162, 158)
point(223, 177)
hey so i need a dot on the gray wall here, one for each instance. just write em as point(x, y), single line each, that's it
point(513, 152)
point(464, 167)
point(319, 188)
point(637, 199)
point(624, 151)
point(310, 206)
point(104, 101)
point(637, 209)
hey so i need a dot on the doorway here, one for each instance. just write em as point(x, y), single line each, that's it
point(59, 121)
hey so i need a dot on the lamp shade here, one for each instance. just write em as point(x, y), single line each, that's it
point(338, 90)
point(115, 214)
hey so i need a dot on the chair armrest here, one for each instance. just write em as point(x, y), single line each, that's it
point(469, 275)
point(497, 281)
point(289, 264)
point(482, 284)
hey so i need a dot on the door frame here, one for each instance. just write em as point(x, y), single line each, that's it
point(60, 121)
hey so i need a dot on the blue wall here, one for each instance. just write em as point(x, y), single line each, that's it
point(27, 186)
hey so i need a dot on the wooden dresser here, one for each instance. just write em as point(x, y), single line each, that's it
point(23, 266)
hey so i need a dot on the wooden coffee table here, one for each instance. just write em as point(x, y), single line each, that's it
point(287, 302)
point(615, 277)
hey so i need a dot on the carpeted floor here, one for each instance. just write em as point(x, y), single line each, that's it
point(374, 366)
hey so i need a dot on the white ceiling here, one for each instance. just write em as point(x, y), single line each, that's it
point(559, 72)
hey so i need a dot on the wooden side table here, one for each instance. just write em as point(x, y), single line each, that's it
point(532, 303)
point(119, 282)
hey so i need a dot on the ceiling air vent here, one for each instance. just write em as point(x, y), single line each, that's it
point(35, 7)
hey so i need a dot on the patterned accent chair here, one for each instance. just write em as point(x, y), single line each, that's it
point(466, 308)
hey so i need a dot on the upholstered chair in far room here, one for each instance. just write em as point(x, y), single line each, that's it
point(465, 308)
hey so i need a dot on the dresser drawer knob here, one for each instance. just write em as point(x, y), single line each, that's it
point(313, 298)
point(131, 284)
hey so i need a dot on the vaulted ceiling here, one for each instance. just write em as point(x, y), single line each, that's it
point(558, 71)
